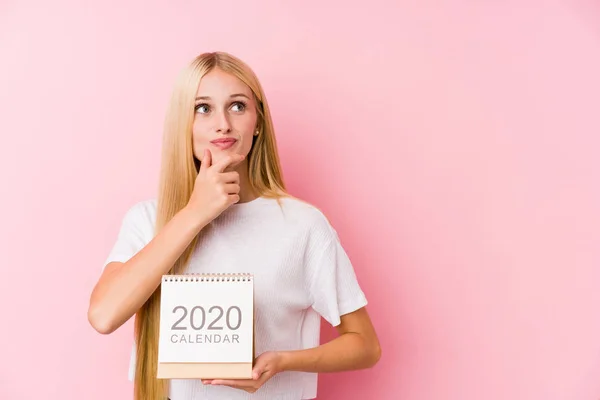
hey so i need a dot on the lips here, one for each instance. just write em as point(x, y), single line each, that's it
point(224, 143)
point(228, 140)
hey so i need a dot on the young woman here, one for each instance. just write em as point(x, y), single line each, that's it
point(221, 196)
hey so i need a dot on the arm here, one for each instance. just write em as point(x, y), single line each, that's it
point(331, 282)
point(124, 287)
point(356, 347)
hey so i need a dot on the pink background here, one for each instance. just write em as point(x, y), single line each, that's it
point(453, 144)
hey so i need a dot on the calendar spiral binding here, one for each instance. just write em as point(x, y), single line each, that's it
point(209, 277)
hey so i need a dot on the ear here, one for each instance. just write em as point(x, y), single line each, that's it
point(259, 127)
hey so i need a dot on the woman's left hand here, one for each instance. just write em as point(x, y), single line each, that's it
point(266, 366)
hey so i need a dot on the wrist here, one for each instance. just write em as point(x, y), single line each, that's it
point(197, 219)
point(285, 360)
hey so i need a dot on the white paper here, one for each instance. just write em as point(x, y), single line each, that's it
point(206, 321)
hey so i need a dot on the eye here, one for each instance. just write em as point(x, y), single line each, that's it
point(240, 106)
point(202, 108)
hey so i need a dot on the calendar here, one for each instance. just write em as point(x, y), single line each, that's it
point(206, 326)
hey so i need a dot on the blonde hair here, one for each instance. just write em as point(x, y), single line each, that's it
point(177, 177)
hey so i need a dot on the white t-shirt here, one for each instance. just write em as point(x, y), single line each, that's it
point(301, 273)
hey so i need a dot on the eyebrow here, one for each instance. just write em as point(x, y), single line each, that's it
point(233, 95)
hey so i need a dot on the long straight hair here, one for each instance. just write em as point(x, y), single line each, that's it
point(179, 169)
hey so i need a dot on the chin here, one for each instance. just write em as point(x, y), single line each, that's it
point(220, 153)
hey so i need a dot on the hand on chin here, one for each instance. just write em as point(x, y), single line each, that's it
point(217, 155)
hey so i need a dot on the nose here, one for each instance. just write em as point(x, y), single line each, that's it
point(222, 123)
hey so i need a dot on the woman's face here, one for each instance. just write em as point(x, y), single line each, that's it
point(225, 116)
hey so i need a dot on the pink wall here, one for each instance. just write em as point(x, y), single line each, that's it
point(453, 144)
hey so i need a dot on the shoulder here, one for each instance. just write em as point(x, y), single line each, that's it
point(141, 214)
point(303, 210)
point(308, 217)
point(146, 207)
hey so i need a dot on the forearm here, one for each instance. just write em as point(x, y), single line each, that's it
point(124, 288)
point(349, 351)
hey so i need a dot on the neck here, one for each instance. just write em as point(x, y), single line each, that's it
point(246, 192)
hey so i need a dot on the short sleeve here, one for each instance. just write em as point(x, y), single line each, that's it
point(334, 287)
point(137, 229)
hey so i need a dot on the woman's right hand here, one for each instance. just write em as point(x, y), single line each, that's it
point(124, 287)
point(216, 188)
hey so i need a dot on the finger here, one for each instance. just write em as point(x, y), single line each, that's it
point(257, 371)
point(206, 161)
point(238, 383)
point(263, 377)
point(230, 177)
point(229, 161)
point(238, 159)
point(260, 369)
point(232, 188)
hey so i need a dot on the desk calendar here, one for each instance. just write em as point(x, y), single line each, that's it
point(206, 326)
